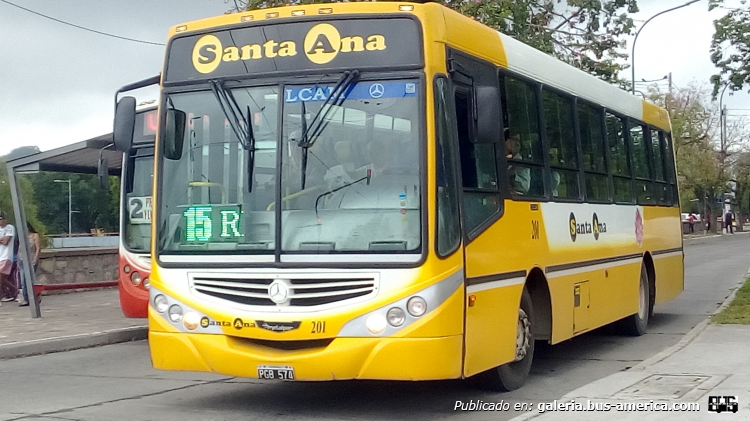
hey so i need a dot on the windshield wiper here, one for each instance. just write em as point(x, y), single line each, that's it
point(240, 123)
point(367, 177)
point(311, 131)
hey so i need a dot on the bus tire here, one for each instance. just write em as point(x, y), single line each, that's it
point(635, 324)
point(512, 375)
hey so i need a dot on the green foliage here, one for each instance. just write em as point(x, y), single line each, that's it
point(702, 172)
point(27, 193)
point(730, 48)
point(587, 34)
point(92, 207)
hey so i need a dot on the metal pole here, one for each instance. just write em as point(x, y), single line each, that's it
point(28, 272)
point(722, 119)
point(632, 54)
point(70, 210)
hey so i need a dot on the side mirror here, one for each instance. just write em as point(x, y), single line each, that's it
point(174, 134)
point(102, 172)
point(124, 123)
point(489, 119)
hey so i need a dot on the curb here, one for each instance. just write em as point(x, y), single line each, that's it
point(69, 343)
point(643, 365)
point(692, 334)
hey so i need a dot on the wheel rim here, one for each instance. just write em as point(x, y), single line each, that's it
point(523, 334)
point(642, 304)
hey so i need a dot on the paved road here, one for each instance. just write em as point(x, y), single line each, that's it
point(117, 382)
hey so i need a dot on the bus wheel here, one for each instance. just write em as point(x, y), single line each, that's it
point(635, 325)
point(512, 375)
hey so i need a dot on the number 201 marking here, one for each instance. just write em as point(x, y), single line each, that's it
point(534, 230)
point(318, 327)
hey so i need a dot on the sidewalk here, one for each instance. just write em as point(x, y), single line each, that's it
point(69, 321)
point(710, 360)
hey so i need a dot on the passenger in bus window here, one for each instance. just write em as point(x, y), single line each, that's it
point(520, 177)
point(555, 183)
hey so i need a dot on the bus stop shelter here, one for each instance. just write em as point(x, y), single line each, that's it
point(81, 157)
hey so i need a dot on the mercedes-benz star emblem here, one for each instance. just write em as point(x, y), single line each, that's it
point(278, 291)
point(377, 90)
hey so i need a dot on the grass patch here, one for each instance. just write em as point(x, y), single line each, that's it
point(738, 311)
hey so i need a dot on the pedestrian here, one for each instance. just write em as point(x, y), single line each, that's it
point(34, 247)
point(7, 234)
point(691, 221)
point(728, 218)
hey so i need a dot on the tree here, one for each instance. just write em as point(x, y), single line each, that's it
point(93, 207)
point(27, 194)
point(587, 34)
point(702, 160)
point(730, 48)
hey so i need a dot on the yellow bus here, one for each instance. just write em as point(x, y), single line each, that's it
point(394, 191)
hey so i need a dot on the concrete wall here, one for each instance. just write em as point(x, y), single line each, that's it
point(77, 266)
point(64, 242)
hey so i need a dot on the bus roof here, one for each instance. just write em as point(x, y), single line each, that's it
point(463, 32)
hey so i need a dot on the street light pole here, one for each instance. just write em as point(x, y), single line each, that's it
point(722, 123)
point(632, 54)
point(70, 206)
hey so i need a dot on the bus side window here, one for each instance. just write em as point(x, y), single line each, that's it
point(563, 154)
point(478, 168)
point(661, 187)
point(594, 157)
point(619, 165)
point(641, 163)
point(448, 226)
point(523, 141)
point(670, 162)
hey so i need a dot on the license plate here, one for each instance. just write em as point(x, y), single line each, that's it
point(273, 372)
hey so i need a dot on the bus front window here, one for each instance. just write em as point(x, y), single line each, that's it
point(359, 190)
point(211, 202)
point(138, 202)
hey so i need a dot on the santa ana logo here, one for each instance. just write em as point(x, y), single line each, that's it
point(323, 43)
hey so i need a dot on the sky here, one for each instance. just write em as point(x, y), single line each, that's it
point(57, 82)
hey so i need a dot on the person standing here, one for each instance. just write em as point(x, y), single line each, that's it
point(34, 247)
point(691, 221)
point(728, 218)
point(7, 233)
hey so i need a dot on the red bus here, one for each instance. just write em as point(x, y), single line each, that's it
point(134, 265)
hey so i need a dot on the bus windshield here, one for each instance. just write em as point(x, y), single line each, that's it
point(137, 199)
point(349, 172)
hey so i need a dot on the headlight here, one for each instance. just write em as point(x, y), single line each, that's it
point(147, 283)
point(396, 317)
point(160, 303)
point(191, 320)
point(416, 306)
point(135, 278)
point(376, 324)
point(175, 313)
point(126, 269)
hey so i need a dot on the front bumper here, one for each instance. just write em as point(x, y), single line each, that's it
point(341, 359)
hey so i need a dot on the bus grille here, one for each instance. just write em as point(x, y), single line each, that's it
point(302, 292)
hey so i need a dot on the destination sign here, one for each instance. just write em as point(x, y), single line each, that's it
point(335, 44)
point(212, 223)
point(362, 90)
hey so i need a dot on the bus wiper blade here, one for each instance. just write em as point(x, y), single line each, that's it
point(311, 131)
point(368, 177)
point(240, 123)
